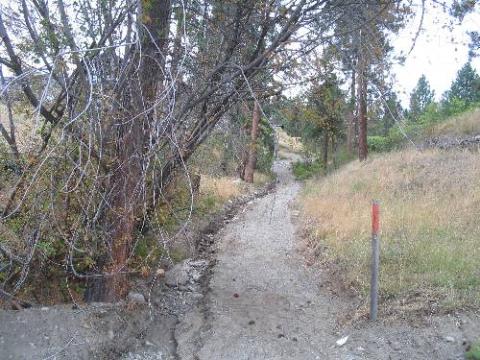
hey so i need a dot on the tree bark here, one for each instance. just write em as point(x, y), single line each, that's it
point(325, 149)
point(334, 151)
point(362, 113)
point(252, 151)
point(130, 146)
point(352, 119)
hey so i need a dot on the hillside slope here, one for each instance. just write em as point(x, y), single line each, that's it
point(430, 204)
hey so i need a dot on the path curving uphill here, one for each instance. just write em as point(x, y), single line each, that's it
point(262, 303)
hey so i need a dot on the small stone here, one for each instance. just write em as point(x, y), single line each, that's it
point(160, 272)
point(44, 308)
point(136, 298)
point(251, 322)
point(111, 334)
point(342, 341)
point(177, 275)
point(396, 345)
point(449, 339)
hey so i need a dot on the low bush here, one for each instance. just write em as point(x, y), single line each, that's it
point(474, 352)
point(304, 170)
point(379, 143)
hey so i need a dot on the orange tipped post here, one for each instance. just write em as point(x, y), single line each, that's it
point(375, 260)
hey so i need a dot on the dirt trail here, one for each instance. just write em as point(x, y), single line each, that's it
point(264, 303)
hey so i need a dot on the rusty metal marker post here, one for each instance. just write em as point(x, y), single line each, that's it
point(375, 260)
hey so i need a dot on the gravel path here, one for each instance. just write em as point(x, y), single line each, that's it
point(264, 303)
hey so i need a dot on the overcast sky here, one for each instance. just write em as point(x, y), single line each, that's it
point(440, 50)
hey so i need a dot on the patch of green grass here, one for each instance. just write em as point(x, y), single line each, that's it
point(474, 352)
point(207, 204)
point(305, 170)
point(177, 255)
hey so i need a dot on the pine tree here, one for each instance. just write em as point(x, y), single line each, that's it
point(466, 86)
point(420, 98)
point(327, 103)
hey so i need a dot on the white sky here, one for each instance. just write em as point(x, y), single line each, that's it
point(440, 50)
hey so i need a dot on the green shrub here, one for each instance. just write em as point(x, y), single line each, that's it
point(379, 143)
point(304, 170)
point(454, 107)
point(431, 115)
point(474, 352)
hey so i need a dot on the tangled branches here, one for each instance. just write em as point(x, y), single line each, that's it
point(118, 96)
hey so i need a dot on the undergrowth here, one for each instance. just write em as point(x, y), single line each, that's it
point(474, 352)
point(304, 170)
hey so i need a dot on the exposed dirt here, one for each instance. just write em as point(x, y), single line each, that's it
point(256, 299)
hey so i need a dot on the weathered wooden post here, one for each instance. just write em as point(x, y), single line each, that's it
point(375, 260)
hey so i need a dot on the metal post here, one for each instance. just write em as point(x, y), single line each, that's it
point(375, 260)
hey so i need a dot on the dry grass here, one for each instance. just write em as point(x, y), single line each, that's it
point(224, 188)
point(24, 126)
point(228, 187)
point(430, 203)
point(464, 124)
point(260, 179)
point(291, 144)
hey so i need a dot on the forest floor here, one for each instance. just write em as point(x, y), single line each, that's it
point(257, 299)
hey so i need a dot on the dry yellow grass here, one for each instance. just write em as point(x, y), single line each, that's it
point(261, 178)
point(292, 144)
point(228, 187)
point(464, 124)
point(224, 188)
point(26, 135)
point(430, 211)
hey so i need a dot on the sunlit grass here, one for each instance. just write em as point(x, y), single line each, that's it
point(467, 123)
point(430, 206)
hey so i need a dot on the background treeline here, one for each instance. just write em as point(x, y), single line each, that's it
point(322, 115)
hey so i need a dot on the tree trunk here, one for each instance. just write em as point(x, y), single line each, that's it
point(352, 119)
point(325, 150)
point(362, 112)
point(252, 151)
point(334, 151)
point(130, 145)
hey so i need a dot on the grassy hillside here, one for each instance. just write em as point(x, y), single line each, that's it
point(430, 203)
point(467, 123)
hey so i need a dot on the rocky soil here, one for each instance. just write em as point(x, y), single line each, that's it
point(449, 142)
